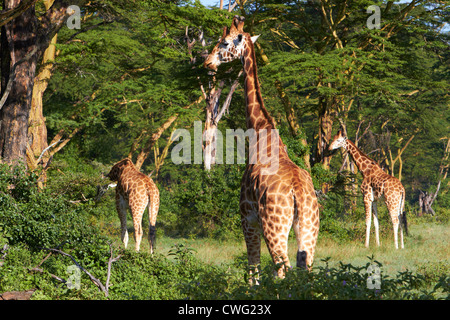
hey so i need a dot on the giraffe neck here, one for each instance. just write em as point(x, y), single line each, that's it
point(257, 116)
point(364, 163)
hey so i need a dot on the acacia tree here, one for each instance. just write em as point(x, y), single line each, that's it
point(23, 42)
point(330, 62)
point(124, 85)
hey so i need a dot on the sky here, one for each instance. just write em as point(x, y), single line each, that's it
point(216, 3)
point(210, 2)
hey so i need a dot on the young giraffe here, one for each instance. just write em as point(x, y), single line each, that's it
point(135, 191)
point(376, 183)
point(271, 201)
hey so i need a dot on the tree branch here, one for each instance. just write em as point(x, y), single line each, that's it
point(96, 281)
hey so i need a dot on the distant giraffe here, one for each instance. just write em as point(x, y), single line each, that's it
point(271, 201)
point(135, 191)
point(376, 183)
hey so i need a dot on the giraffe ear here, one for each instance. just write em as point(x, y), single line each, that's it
point(234, 24)
point(240, 24)
point(254, 38)
point(225, 31)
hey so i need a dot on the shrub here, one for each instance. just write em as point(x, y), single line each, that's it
point(38, 218)
point(195, 202)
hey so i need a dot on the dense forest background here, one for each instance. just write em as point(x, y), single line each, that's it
point(86, 86)
point(120, 82)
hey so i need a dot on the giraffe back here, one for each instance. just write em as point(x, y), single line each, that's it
point(131, 183)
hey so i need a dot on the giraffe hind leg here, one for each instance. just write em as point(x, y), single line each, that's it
point(253, 243)
point(306, 234)
point(396, 217)
point(375, 222)
point(121, 207)
point(276, 238)
point(278, 251)
point(153, 208)
point(137, 214)
point(302, 255)
point(368, 207)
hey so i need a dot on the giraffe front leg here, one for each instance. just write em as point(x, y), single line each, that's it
point(367, 191)
point(121, 207)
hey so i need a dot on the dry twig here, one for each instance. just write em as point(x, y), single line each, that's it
point(97, 282)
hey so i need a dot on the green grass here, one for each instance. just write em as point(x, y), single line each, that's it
point(426, 249)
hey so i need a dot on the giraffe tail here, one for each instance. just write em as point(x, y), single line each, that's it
point(403, 219)
point(405, 222)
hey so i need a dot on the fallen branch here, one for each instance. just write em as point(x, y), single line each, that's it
point(97, 282)
point(36, 269)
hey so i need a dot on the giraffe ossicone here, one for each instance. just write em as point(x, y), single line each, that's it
point(376, 183)
point(135, 191)
point(269, 203)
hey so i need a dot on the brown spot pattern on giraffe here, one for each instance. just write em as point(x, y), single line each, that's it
point(135, 191)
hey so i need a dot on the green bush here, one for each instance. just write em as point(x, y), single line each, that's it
point(345, 282)
point(196, 202)
point(40, 219)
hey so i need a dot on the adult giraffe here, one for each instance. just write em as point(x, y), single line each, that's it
point(272, 200)
point(376, 183)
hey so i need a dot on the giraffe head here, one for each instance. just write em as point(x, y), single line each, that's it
point(231, 45)
point(339, 141)
point(118, 168)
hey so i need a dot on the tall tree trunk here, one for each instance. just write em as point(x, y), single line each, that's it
point(18, 60)
point(325, 128)
point(144, 153)
point(37, 129)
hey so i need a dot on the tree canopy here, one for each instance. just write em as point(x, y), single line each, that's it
point(121, 84)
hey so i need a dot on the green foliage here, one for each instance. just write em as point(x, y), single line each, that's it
point(345, 282)
point(130, 68)
point(40, 219)
point(200, 203)
point(51, 222)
